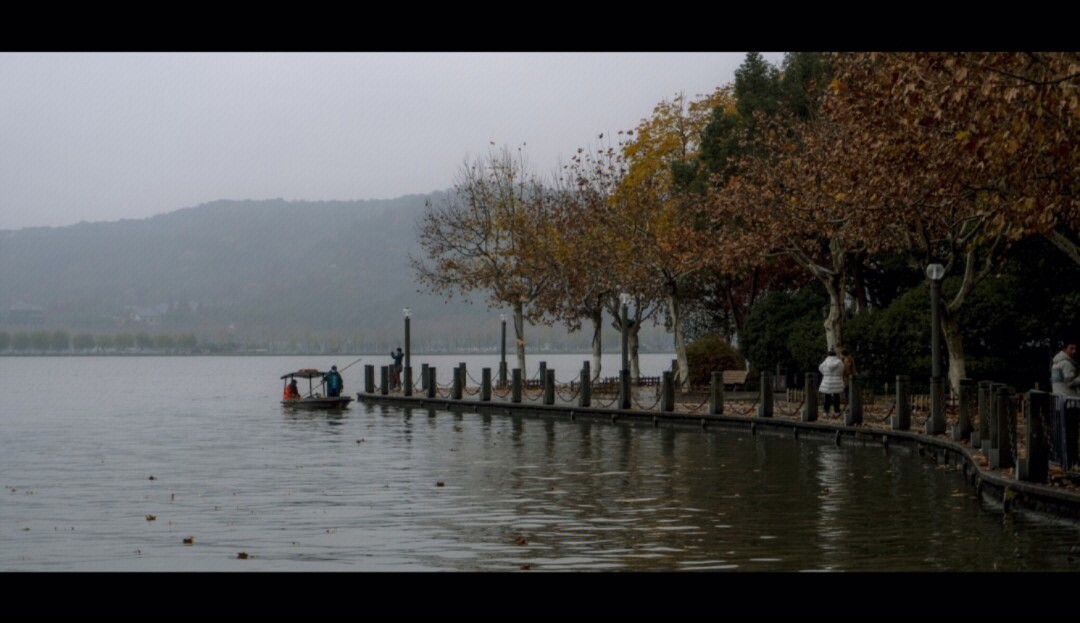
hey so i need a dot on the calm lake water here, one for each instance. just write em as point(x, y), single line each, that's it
point(92, 447)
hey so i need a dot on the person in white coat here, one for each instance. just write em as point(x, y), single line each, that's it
point(1063, 376)
point(832, 382)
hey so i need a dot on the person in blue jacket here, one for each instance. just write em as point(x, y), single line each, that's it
point(333, 381)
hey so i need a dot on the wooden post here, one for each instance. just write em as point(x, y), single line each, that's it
point(668, 391)
point(369, 378)
point(1036, 467)
point(549, 387)
point(384, 377)
point(485, 384)
point(585, 397)
point(982, 415)
point(407, 380)
point(624, 389)
point(431, 385)
point(854, 414)
point(716, 396)
point(902, 419)
point(810, 410)
point(766, 393)
point(990, 442)
point(515, 385)
point(935, 424)
point(423, 376)
point(458, 375)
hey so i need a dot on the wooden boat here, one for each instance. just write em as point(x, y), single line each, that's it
point(313, 400)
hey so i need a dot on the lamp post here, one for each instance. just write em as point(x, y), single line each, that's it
point(935, 425)
point(408, 354)
point(502, 356)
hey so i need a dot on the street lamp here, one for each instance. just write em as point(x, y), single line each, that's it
point(502, 356)
point(408, 353)
point(935, 425)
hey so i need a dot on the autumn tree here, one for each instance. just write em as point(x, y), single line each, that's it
point(483, 237)
point(965, 153)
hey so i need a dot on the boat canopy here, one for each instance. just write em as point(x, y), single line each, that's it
point(304, 373)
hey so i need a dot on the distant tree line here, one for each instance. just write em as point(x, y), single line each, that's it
point(60, 341)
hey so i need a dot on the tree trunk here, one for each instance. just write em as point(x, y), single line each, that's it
point(834, 322)
point(632, 345)
point(597, 350)
point(519, 335)
point(683, 377)
point(954, 343)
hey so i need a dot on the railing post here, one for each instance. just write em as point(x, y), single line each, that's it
point(766, 392)
point(902, 419)
point(668, 391)
point(982, 414)
point(369, 378)
point(515, 385)
point(456, 393)
point(423, 376)
point(384, 378)
point(1036, 467)
point(432, 386)
point(854, 414)
point(485, 384)
point(716, 395)
point(990, 442)
point(549, 387)
point(810, 410)
point(585, 397)
point(966, 405)
point(624, 389)
point(543, 373)
point(407, 380)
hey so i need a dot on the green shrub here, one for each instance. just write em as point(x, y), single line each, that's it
point(708, 353)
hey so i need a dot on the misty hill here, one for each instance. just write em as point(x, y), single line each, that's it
point(267, 273)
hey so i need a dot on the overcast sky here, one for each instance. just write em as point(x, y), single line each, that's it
point(106, 136)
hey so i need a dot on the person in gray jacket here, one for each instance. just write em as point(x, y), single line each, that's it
point(832, 382)
point(1063, 377)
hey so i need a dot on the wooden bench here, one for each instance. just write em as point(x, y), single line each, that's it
point(733, 377)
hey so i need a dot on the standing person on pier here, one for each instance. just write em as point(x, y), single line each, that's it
point(1064, 379)
point(334, 384)
point(395, 368)
point(832, 382)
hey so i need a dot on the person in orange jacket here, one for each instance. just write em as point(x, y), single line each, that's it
point(291, 391)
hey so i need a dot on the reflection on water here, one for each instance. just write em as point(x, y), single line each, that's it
point(119, 482)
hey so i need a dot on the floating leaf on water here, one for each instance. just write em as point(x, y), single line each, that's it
point(526, 567)
point(242, 555)
point(152, 477)
point(189, 540)
point(440, 483)
point(151, 517)
point(520, 540)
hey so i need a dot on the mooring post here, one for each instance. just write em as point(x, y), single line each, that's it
point(766, 393)
point(407, 380)
point(902, 419)
point(369, 378)
point(464, 376)
point(990, 442)
point(1036, 467)
point(543, 373)
point(668, 391)
point(854, 414)
point(585, 397)
point(431, 385)
point(515, 385)
point(549, 387)
point(456, 393)
point(624, 389)
point(982, 414)
point(1007, 433)
point(810, 410)
point(423, 376)
point(384, 378)
point(716, 393)
point(485, 384)
point(966, 406)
